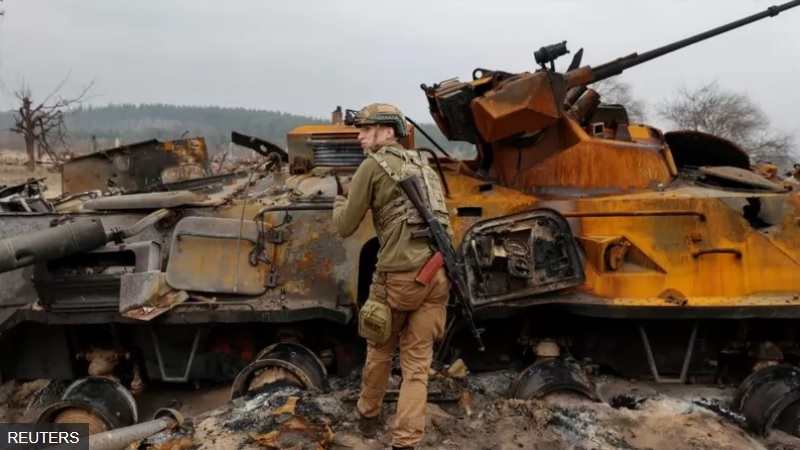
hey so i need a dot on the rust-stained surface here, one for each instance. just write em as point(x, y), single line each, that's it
point(192, 157)
point(586, 166)
point(217, 255)
point(532, 99)
point(136, 167)
point(695, 254)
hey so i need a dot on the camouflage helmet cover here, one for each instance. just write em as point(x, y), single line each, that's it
point(382, 114)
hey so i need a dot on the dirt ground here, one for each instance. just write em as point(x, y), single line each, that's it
point(631, 415)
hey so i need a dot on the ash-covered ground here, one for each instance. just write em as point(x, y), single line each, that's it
point(632, 415)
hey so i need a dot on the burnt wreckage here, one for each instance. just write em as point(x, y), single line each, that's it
point(585, 242)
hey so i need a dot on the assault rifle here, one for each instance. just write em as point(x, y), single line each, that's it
point(440, 242)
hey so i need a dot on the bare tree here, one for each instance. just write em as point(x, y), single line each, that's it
point(615, 91)
point(43, 124)
point(730, 115)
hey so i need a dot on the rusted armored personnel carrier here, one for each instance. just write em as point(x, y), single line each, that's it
point(587, 243)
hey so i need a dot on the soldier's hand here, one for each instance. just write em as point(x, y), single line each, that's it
point(346, 188)
point(342, 188)
point(339, 187)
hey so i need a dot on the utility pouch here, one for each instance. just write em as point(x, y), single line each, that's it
point(375, 322)
point(430, 268)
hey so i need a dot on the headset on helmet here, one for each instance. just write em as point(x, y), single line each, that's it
point(379, 114)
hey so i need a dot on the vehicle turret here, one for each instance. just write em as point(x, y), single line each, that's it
point(523, 123)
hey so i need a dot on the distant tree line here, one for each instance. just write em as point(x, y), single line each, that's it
point(707, 107)
point(93, 126)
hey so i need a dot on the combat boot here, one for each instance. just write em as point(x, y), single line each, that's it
point(368, 426)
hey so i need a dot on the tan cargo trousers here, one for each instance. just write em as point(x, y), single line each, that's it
point(418, 320)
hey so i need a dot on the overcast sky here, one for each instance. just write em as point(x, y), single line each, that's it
point(306, 57)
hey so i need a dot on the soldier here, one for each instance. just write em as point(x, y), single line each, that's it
point(408, 296)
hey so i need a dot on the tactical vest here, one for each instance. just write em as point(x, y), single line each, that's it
point(401, 209)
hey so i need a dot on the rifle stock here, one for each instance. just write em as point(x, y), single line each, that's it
point(440, 242)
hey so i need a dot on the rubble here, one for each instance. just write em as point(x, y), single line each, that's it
point(281, 418)
point(25, 197)
point(632, 415)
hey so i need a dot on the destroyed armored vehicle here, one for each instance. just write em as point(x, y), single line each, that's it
point(587, 244)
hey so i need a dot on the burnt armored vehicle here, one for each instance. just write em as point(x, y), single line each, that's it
point(585, 242)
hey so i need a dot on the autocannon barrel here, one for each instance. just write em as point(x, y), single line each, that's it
point(51, 243)
point(73, 237)
point(586, 75)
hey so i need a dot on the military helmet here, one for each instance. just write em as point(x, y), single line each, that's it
point(381, 114)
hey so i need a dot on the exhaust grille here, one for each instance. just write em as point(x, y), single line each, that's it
point(336, 150)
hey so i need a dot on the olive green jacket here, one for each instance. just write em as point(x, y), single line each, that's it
point(372, 188)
